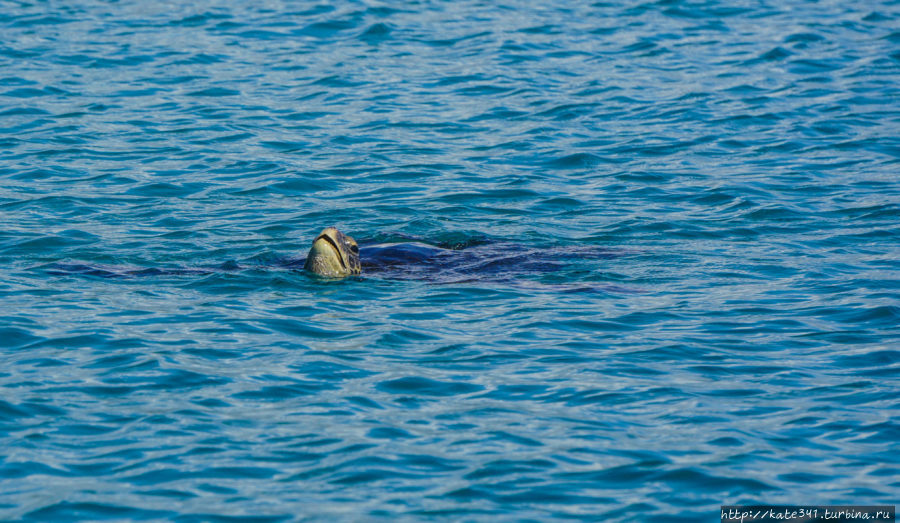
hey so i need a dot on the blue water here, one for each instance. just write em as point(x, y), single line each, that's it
point(712, 190)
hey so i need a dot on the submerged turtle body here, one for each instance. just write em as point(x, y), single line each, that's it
point(413, 260)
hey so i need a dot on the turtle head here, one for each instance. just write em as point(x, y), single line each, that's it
point(333, 255)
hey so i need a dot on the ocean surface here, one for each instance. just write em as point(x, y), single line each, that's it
point(671, 277)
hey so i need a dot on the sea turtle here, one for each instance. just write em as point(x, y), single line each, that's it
point(335, 255)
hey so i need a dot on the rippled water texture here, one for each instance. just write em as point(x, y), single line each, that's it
point(685, 221)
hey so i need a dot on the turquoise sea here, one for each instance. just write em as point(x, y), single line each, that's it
point(670, 281)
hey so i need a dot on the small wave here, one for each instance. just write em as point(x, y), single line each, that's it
point(577, 161)
point(422, 386)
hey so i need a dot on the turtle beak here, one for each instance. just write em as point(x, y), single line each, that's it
point(324, 242)
point(326, 258)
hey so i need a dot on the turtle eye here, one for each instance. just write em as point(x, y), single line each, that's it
point(354, 249)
